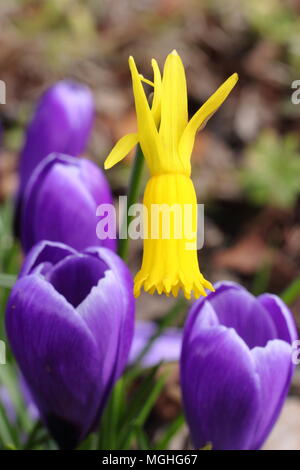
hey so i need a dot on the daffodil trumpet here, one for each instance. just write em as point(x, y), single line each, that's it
point(167, 138)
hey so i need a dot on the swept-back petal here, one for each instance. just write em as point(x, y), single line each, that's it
point(148, 134)
point(156, 103)
point(203, 114)
point(121, 149)
point(174, 109)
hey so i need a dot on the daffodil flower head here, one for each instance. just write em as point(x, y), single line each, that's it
point(167, 138)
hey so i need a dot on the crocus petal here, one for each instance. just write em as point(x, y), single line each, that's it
point(174, 111)
point(274, 368)
point(281, 316)
point(103, 311)
point(203, 114)
point(237, 308)
point(82, 271)
point(165, 348)
point(60, 205)
point(58, 356)
point(125, 284)
point(220, 390)
point(121, 149)
point(45, 252)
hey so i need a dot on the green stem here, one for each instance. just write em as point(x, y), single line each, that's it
point(132, 197)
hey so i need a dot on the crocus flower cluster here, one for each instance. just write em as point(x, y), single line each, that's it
point(236, 367)
point(70, 340)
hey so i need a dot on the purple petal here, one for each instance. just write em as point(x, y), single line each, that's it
point(58, 356)
point(102, 311)
point(59, 203)
point(274, 368)
point(75, 276)
point(125, 285)
point(8, 405)
point(238, 309)
point(166, 348)
point(45, 252)
point(281, 316)
point(220, 390)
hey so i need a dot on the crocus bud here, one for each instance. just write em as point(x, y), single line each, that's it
point(62, 123)
point(236, 367)
point(60, 203)
point(70, 320)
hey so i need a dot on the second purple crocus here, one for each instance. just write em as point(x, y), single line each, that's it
point(70, 321)
point(236, 367)
point(60, 203)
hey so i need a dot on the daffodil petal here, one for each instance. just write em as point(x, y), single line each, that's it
point(174, 108)
point(156, 104)
point(121, 149)
point(148, 134)
point(206, 111)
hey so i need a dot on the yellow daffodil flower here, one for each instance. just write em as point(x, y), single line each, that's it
point(166, 138)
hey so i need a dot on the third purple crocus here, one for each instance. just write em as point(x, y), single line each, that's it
point(236, 367)
point(70, 320)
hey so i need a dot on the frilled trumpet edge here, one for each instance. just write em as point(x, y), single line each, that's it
point(170, 261)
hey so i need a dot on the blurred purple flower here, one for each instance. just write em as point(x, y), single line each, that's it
point(165, 348)
point(60, 203)
point(70, 321)
point(236, 367)
point(7, 404)
point(61, 123)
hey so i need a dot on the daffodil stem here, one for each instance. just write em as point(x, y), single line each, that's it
point(132, 197)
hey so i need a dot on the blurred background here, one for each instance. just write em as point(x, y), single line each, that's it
point(246, 162)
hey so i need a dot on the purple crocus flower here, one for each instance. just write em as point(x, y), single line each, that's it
point(62, 123)
point(60, 203)
point(165, 348)
point(236, 367)
point(70, 321)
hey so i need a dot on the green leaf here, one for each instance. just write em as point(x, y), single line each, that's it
point(7, 280)
point(170, 432)
point(292, 292)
